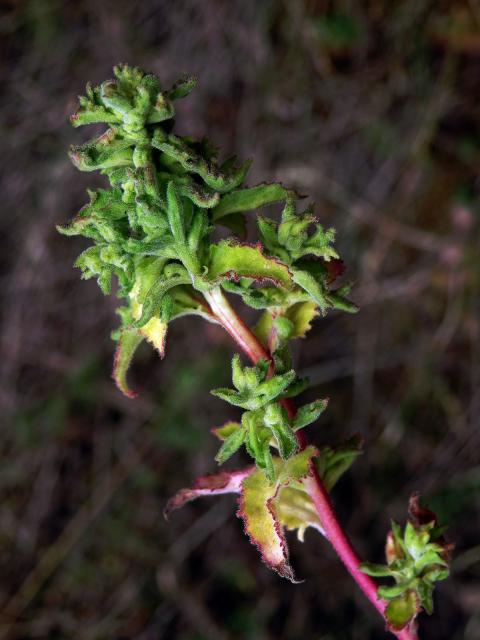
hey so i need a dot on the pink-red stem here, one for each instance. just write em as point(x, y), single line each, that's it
point(250, 345)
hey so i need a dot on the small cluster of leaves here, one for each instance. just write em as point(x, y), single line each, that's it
point(265, 420)
point(153, 228)
point(417, 558)
point(268, 508)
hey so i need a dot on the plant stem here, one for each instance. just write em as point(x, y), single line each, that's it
point(235, 326)
point(250, 345)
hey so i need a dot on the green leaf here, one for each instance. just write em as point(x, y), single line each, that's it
point(126, 347)
point(415, 563)
point(332, 463)
point(309, 413)
point(180, 151)
point(276, 419)
point(153, 299)
point(392, 592)
point(182, 87)
point(226, 430)
point(175, 213)
point(301, 315)
point(249, 199)
point(402, 610)
point(312, 286)
point(254, 390)
point(231, 261)
point(339, 301)
point(231, 445)
point(425, 591)
point(375, 570)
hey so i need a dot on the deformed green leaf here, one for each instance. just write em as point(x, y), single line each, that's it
point(249, 199)
point(126, 347)
point(257, 509)
point(309, 413)
point(312, 286)
point(376, 570)
point(231, 444)
point(332, 463)
point(231, 261)
point(226, 430)
point(402, 610)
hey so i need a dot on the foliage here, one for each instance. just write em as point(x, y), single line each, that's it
point(154, 231)
point(153, 228)
point(267, 507)
point(417, 558)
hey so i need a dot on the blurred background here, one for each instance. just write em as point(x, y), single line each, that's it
point(373, 110)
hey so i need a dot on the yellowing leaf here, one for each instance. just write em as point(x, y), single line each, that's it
point(295, 510)
point(257, 508)
point(261, 525)
point(301, 315)
point(155, 331)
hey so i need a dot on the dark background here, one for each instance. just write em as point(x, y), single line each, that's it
point(371, 108)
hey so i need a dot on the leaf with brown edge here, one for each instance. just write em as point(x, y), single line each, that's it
point(127, 345)
point(257, 508)
point(232, 261)
point(212, 485)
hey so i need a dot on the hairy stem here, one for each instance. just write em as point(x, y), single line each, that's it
point(250, 345)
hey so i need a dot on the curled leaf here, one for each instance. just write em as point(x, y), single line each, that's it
point(212, 485)
point(248, 199)
point(257, 508)
point(126, 347)
point(231, 261)
point(155, 331)
point(402, 610)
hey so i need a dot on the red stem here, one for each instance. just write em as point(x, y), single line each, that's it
point(250, 345)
